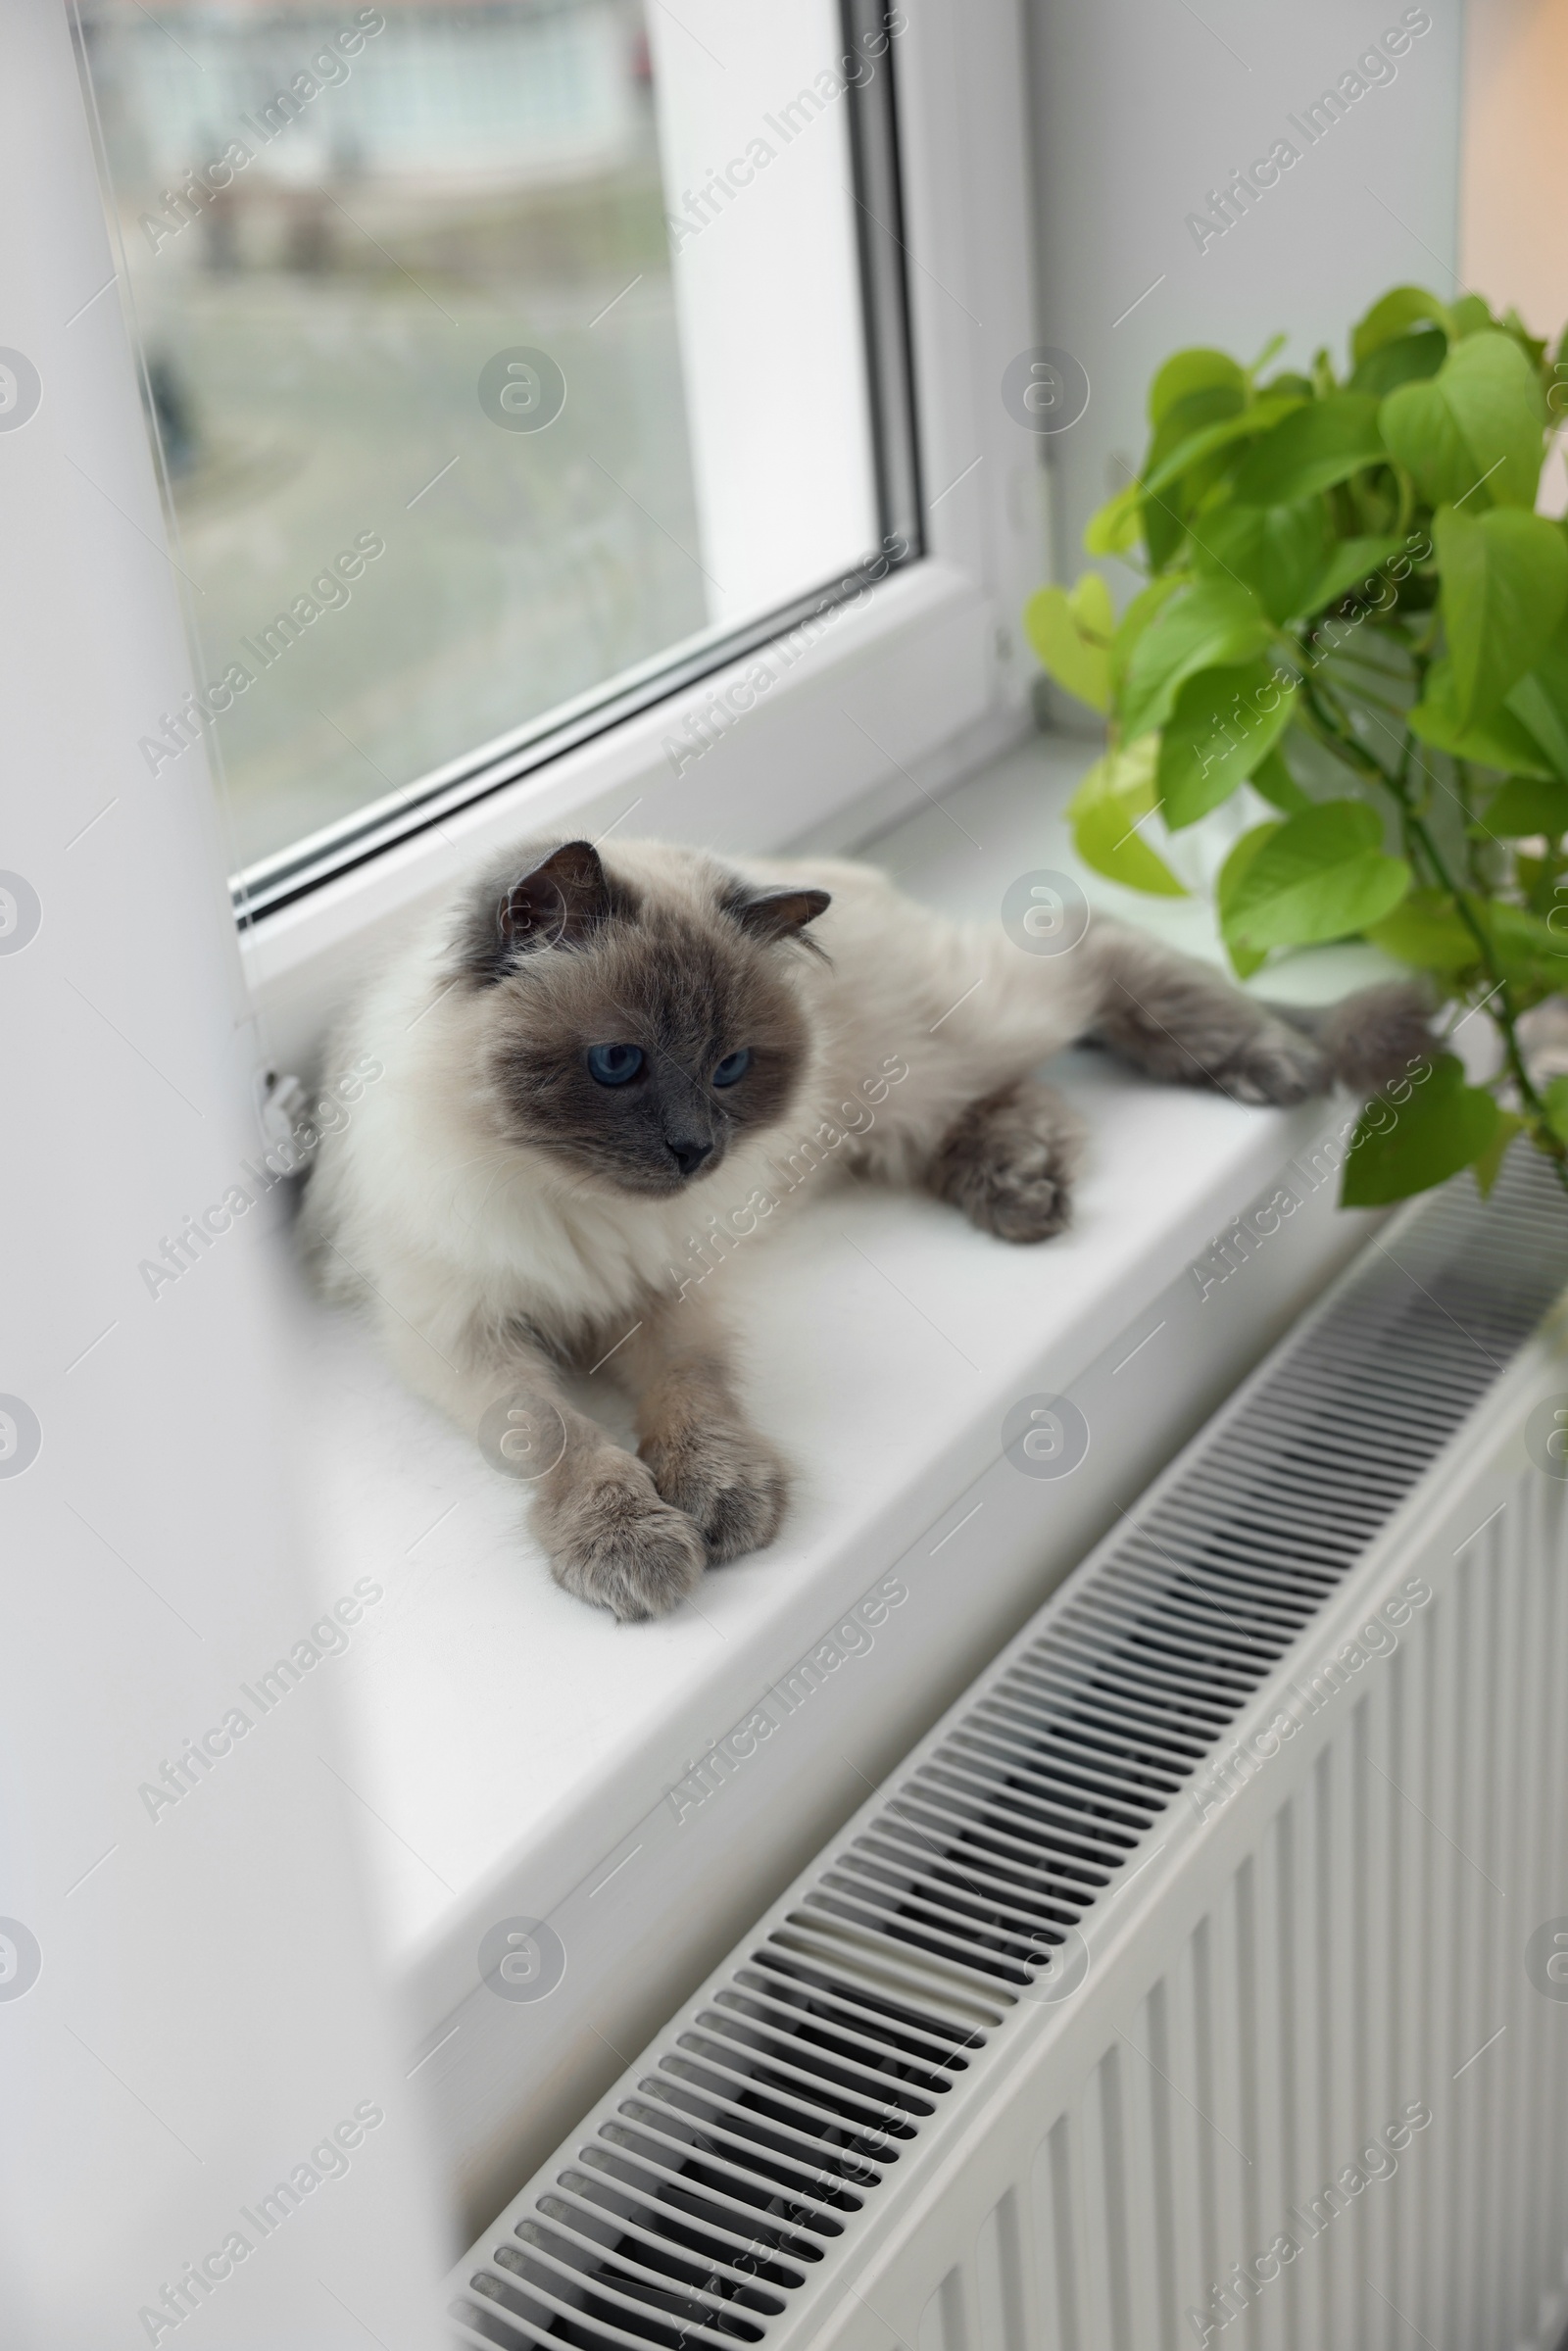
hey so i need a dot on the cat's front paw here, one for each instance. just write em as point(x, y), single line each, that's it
point(613, 1541)
point(726, 1479)
point(1008, 1162)
point(1022, 1197)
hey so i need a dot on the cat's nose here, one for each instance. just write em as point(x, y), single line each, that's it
point(688, 1155)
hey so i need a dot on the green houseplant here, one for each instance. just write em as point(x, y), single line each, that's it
point(1350, 606)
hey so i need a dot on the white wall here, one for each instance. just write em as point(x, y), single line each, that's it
point(1141, 107)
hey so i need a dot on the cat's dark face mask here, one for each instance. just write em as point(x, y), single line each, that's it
point(634, 1041)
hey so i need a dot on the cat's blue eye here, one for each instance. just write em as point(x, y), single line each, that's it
point(613, 1064)
point(733, 1067)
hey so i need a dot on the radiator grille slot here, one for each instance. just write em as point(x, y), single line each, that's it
point(724, 2169)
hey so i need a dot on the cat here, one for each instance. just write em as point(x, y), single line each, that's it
point(596, 1069)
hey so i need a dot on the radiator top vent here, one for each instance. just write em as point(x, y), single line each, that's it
point(725, 2168)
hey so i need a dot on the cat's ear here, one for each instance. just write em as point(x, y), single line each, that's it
point(557, 902)
point(780, 914)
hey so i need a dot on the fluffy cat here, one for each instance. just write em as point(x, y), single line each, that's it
point(596, 1070)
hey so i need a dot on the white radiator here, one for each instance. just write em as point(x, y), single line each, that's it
point(1203, 1976)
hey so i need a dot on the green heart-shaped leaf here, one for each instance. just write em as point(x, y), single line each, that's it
point(1488, 1166)
point(1555, 1103)
point(1279, 552)
point(1524, 807)
point(1210, 438)
point(1204, 627)
point(1311, 450)
point(1475, 430)
point(1106, 811)
point(1470, 317)
point(1408, 358)
point(1225, 723)
point(1393, 315)
point(1185, 423)
point(1505, 590)
point(1499, 740)
point(1071, 635)
point(1426, 929)
point(1188, 372)
point(1245, 960)
point(1401, 1148)
point(1116, 526)
point(1541, 700)
point(1526, 947)
point(1321, 875)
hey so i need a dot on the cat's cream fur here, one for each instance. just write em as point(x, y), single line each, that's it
point(489, 1260)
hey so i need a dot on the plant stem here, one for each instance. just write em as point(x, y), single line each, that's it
point(1326, 726)
point(1472, 847)
point(1499, 998)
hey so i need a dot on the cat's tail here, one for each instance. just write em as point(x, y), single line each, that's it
point(1371, 1038)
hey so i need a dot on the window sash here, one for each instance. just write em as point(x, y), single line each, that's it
point(280, 880)
point(283, 877)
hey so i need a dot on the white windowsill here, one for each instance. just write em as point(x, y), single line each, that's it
point(516, 1747)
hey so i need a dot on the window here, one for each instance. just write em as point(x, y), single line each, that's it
point(509, 364)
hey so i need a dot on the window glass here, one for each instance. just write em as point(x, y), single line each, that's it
point(497, 354)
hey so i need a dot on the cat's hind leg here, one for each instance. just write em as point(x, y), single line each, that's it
point(1183, 1021)
point(1008, 1161)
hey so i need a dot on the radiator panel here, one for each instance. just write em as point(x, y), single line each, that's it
point(1300, 2046)
point(1093, 2004)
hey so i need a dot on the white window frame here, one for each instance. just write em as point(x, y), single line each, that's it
point(904, 690)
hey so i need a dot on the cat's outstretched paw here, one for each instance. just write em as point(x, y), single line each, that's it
point(1273, 1065)
point(1380, 1034)
point(613, 1541)
point(725, 1478)
point(1362, 1043)
point(1007, 1162)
